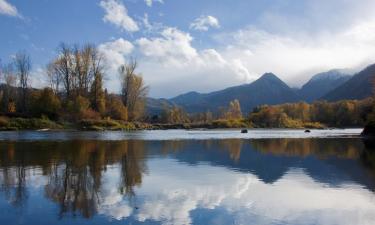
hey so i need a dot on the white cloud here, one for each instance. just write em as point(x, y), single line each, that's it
point(146, 22)
point(203, 23)
point(8, 9)
point(37, 78)
point(113, 203)
point(295, 58)
point(150, 2)
point(294, 49)
point(171, 60)
point(117, 14)
point(173, 46)
point(295, 198)
point(115, 53)
point(151, 28)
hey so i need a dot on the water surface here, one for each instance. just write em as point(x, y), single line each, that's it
point(179, 134)
point(82, 178)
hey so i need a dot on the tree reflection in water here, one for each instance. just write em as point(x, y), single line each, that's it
point(74, 169)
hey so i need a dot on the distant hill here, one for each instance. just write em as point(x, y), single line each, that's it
point(156, 106)
point(322, 83)
point(268, 89)
point(360, 86)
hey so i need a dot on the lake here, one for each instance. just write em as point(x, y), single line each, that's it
point(187, 177)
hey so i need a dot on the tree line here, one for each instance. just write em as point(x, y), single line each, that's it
point(345, 113)
point(75, 90)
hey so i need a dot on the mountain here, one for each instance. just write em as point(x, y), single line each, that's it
point(322, 83)
point(360, 86)
point(156, 106)
point(189, 97)
point(268, 89)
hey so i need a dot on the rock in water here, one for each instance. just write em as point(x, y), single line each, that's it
point(244, 131)
point(369, 130)
point(307, 131)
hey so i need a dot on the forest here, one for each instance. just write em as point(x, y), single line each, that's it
point(76, 98)
point(75, 95)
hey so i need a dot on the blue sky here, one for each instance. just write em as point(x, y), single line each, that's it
point(196, 45)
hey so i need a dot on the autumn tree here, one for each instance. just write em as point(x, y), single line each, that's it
point(203, 117)
point(115, 108)
point(54, 78)
point(22, 65)
point(45, 102)
point(8, 103)
point(233, 111)
point(133, 90)
point(86, 62)
point(81, 72)
point(61, 69)
point(175, 115)
point(97, 94)
point(75, 67)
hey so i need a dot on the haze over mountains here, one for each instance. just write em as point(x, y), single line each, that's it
point(322, 83)
point(332, 85)
point(358, 87)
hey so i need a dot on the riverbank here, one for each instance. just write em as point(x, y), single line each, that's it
point(9, 124)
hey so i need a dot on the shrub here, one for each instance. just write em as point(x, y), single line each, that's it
point(116, 109)
point(107, 125)
point(46, 103)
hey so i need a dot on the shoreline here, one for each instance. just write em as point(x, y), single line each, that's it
point(179, 135)
point(40, 124)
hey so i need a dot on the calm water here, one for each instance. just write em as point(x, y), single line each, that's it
point(193, 177)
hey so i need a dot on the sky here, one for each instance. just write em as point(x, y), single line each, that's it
point(196, 45)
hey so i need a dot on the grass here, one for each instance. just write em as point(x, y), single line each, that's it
point(100, 125)
point(113, 125)
point(27, 124)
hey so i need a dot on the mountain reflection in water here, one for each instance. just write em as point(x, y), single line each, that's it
point(232, 181)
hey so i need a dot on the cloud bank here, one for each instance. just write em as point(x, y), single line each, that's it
point(171, 58)
point(294, 49)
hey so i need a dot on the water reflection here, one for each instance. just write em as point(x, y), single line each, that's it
point(258, 181)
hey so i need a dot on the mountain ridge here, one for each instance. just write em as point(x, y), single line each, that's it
point(269, 89)
point(358, 87)
point(322, 83)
